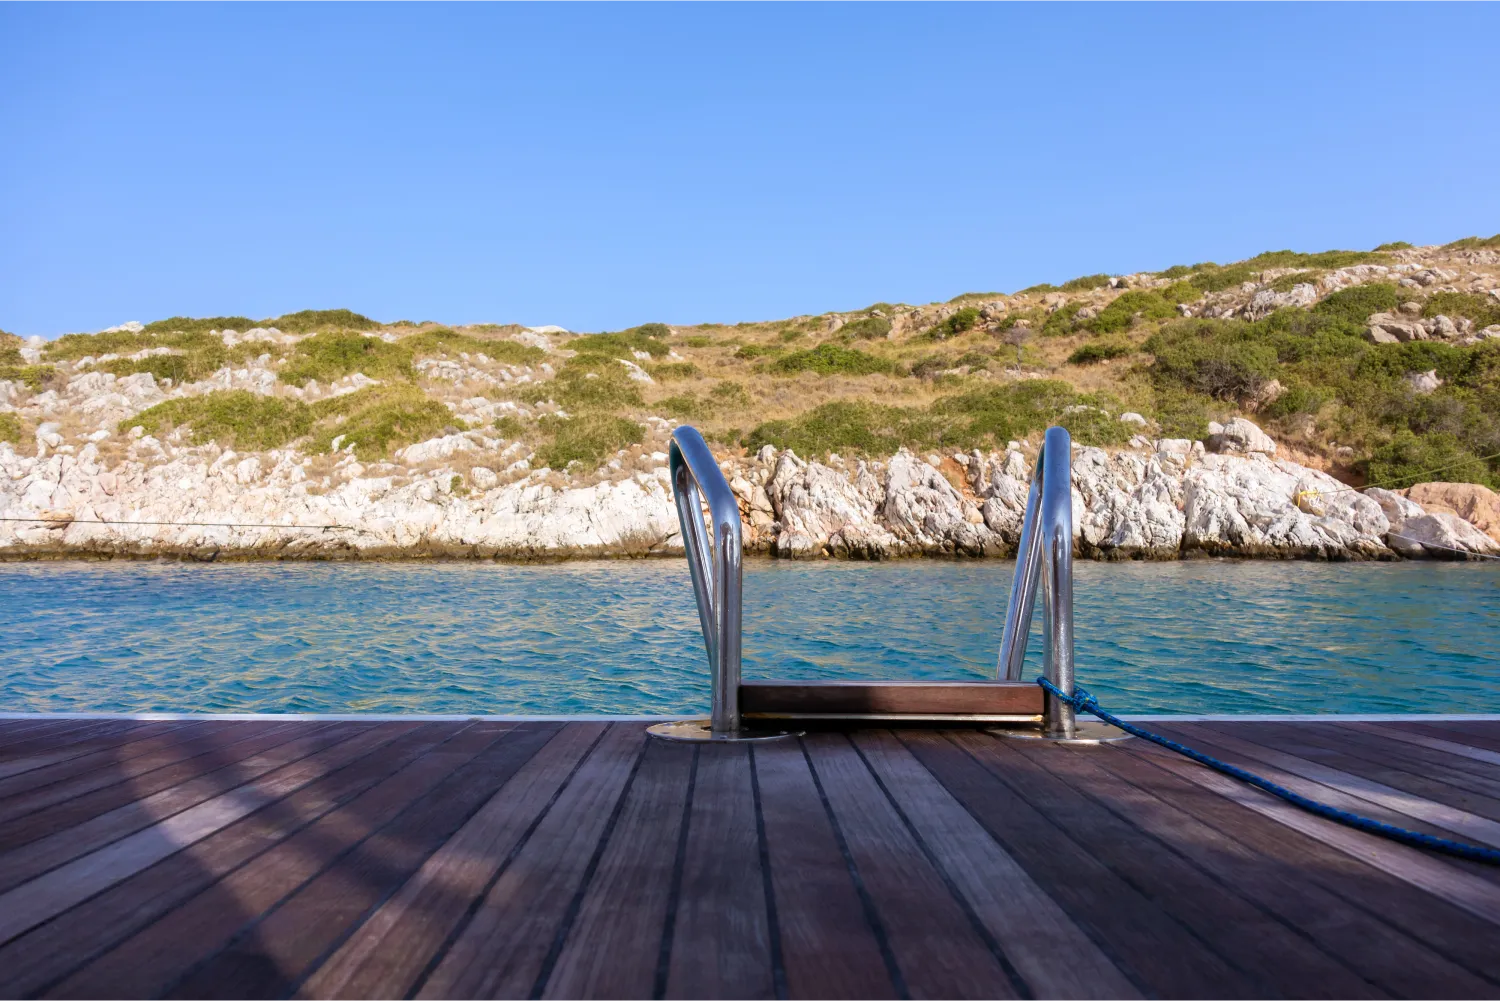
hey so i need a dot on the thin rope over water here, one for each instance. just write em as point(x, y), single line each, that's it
point(1082, 701)
point(180, 524)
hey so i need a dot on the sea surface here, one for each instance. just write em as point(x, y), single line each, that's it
point(622, 636)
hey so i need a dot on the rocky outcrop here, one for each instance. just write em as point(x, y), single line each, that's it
point(1166, 499)
point(1477, 505)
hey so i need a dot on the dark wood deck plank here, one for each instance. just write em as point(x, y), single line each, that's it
point(497, 859)
point(82, 737)
point(508, 941)
point(1025, 922)
point(613, 948)
point(1161, 957)
point(70, 806)
point(1428, 872)
point(390, 954)
point(829, 947)
point(48, 953)
point(271, 956)
point(130, 757)
point(721, 937)
point(200, 927)
point(1275, 957)
point(1347, 791)
point(935, 944)
point(1412, 737)
point(1405, 939)
point(19, 773)
point(60, 888)
point(1442, 778)
point(1476, 734)
point(41, 854)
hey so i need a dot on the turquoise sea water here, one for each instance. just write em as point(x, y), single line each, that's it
point(622, 636)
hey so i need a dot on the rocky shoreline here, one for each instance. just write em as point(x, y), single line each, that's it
point(1162, 499)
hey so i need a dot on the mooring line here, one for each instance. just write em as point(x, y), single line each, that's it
point(1082, 701)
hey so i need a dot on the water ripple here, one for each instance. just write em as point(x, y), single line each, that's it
point(622, 637)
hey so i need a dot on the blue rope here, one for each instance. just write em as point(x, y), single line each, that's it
point(1082, 701)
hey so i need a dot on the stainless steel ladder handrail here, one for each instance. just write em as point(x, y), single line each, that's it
point(715, 566)
point(1045, 558)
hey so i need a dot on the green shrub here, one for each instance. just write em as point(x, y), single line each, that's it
point(1179, 292)
point(1212, 357)
point(672, 370)
point(844, 426)
point(1397, 245)
point(510, 427)
point(1122, 313)
point(730, 394)
point(198, 325)
point(332, 355)
point(960, 322)
point(929, 366)
point(1327, 259)
point(791, 334)
point(698, 341)
point(966, 297)
point(646, 338)
point(587, 383)
point(1473, 243)
point(1356, 304)
point(34, 377)
point(750, 352)
point(443, 341)
point(1182, 413)
point(832, 359)
point(1411, 458)
point(1183, 270)
point(10, 428)
point(1041, 289)
point(310, 320)
point(973, 359)
point(378, 419)
point(1085, 284)
point(1090, 425)
point(1063, 321)
point(1295, 401)
point(1482, 309)
point(869, 328)
point(685, 406)
point(1288, 282)
point(588, 439)
point(1217, 279)
point(1098, 351)
point(234, 417)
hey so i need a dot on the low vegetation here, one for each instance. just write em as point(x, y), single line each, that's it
point(326, 357)
point(237, 418)
point(10, 428)
point(587, 439)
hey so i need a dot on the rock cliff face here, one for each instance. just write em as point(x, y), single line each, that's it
point(1165, 499)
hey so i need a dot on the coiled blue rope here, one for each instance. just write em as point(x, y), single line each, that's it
point(1082, 701)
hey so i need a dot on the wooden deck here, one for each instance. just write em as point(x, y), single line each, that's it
point(493, 859)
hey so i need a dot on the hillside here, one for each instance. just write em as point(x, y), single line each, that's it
point(1375, 366)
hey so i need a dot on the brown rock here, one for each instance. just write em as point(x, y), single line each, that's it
point(1479, 506)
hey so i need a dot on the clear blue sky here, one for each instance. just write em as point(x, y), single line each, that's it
point(601, 166)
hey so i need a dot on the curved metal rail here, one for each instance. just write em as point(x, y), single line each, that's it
point(1045, 559)
point(714, 552)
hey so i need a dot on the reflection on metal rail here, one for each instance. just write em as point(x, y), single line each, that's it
point(714, 561)
point(1045, 557)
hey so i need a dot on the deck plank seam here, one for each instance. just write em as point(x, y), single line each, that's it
point(382, 899)
point(170, 986)
point(290, 831)
point(462, 924)
point(9, 817)
point(1023, 989)
point(1228, 888)
point(155, 821)
point(867, 902)
point(674, 891)
point(1335, 887)
point(1363, 753)
point(773, 925)
point(1364, 800)
point(1251, 977)
point(80, 753)
point(570, 915)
